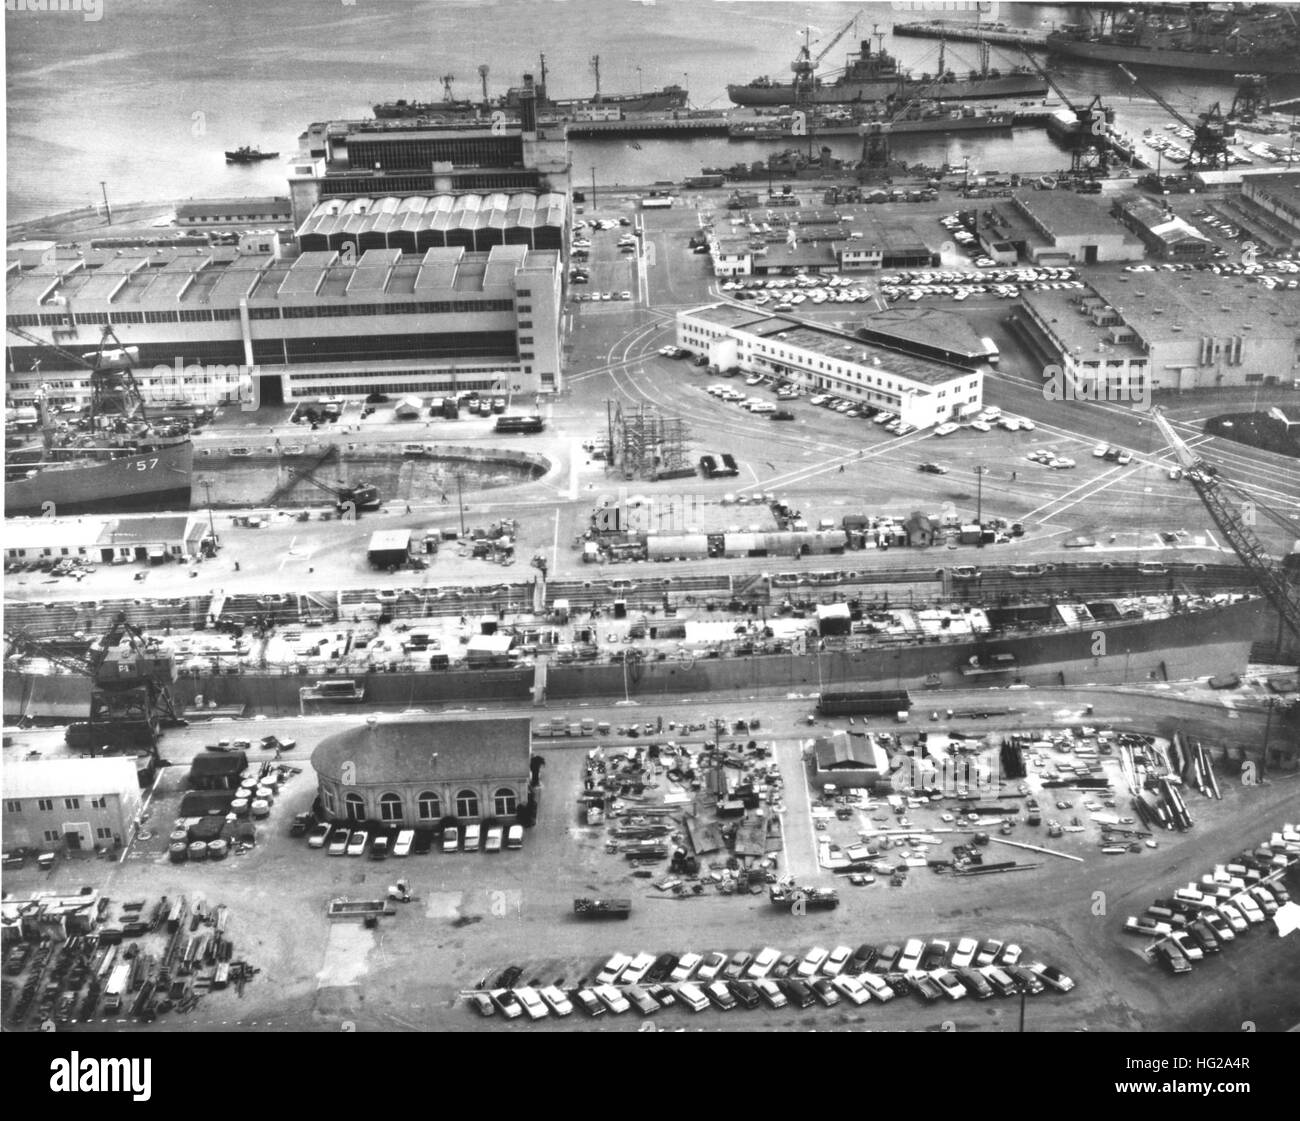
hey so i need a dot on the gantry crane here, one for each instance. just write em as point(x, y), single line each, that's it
point(113, 388)
point(1090, 150)
point(1210, 136)
point(130, 699)
point(1234, 516)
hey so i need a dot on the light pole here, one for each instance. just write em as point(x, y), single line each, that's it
point(460, 500)
point(965, 185)
point(593, 186)
point(108, 211)
point(639, 88)
point(979, 500)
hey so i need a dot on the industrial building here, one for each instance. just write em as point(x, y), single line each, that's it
point(1165, 235)
point(429, 259)
point(822, 242)
point(221, 213)
point(105, 540)
point(71, 805)
point(1179, 331)
point(416, 771)
point(922, 391)
point(1061, 227)
point(1269, 206)
point(334, 321)
point(847, 762)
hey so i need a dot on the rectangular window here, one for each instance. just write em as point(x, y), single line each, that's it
point(45, 804)
point(103, 833)
point(99, 802)
point(72, 803)
point(52, 835)
point(13, 805)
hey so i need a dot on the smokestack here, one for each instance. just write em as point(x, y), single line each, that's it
point(528, 105)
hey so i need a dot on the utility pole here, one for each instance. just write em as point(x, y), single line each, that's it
point(979, 501)
point(593, 186)
point(108, 212)
point(460, 500)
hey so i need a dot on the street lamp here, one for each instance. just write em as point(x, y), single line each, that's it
point(639, 89)
point(460, 500)
point(979, 500)
point(593, 186)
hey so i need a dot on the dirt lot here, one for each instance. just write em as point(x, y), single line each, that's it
point(474, 914)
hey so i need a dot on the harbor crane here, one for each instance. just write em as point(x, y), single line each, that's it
point(805, 64)
point(130, 698)
point(1210, 136)
point(1089, 152)
point(1235, 517)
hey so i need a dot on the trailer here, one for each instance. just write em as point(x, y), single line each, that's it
point(865, 702)
point(602, 908)
point(810, 898)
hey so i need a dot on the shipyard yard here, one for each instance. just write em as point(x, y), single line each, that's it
point(710, 605)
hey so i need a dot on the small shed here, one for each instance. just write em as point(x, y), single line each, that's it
point(834, 619)
point(847, 761)
point(408, 408)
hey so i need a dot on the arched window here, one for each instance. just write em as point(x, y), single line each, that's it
point(467, 804)
point(390, 808)
point(504, 802)
point(430, 806)
point(355, 806)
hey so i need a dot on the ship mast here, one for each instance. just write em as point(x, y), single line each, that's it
point(595, 66)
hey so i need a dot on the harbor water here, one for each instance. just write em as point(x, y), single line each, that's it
point(147, 98)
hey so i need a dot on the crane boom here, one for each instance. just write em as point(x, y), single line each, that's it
point(837, 37)
point(1234, 520)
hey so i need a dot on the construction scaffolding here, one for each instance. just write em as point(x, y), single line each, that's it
point(644, 444)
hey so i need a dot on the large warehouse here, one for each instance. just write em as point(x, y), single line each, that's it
point(923, 392)
point(414, 771)
point(343, 320)
point(1179, 332)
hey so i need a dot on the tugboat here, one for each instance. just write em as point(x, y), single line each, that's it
point(249, 155)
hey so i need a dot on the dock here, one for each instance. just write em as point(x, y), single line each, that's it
point(649, 126)
point(997, 34)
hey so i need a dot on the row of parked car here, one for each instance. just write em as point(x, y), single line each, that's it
point(1203, 917)
point(380, 843)
point(981, 970)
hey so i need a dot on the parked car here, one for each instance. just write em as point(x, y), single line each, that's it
point(612, 999)
point(641, 1000)
point(965, 952)
point(835, 962)
point(851, 989)
point(320, 835)
point(686, 966)
point(764, 962)
point(533, 1005)
point(720, 994)
point(636, 969)
point(798, 992)
point(589, 1002)
point(770, 993)
point(824, 991)
point(740, 961)
point(711, 966)
point(556, 1001)
point(812, 961)
point(1051, 976)
point(357, 842)
point(507, 1003)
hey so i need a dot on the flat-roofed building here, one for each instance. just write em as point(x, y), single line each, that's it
point(221, 213)
point(1073, 224)
point(1271, 206)
point(71, 804)
point(924, 392)
point(1180, 331)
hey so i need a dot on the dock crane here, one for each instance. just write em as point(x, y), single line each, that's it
point(805, 64)
point(1089, 151)
point(357, 497)
point(1234, 517)
point(130, 699)
point(113, 388)
point(1209, 148)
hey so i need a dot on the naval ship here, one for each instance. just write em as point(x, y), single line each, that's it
point(1264, 41)
point(876, 76)
point(112, 460)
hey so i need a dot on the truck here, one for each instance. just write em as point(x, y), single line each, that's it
point(602, 908)
point(116, 986)
point(811, 898)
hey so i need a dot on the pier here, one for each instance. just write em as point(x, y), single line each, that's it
point(649, 126)
point(998, 34)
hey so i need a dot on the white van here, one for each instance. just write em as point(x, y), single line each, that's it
point(691, 996)
point(473, 837)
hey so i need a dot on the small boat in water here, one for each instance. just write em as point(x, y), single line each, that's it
point(249, 155)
